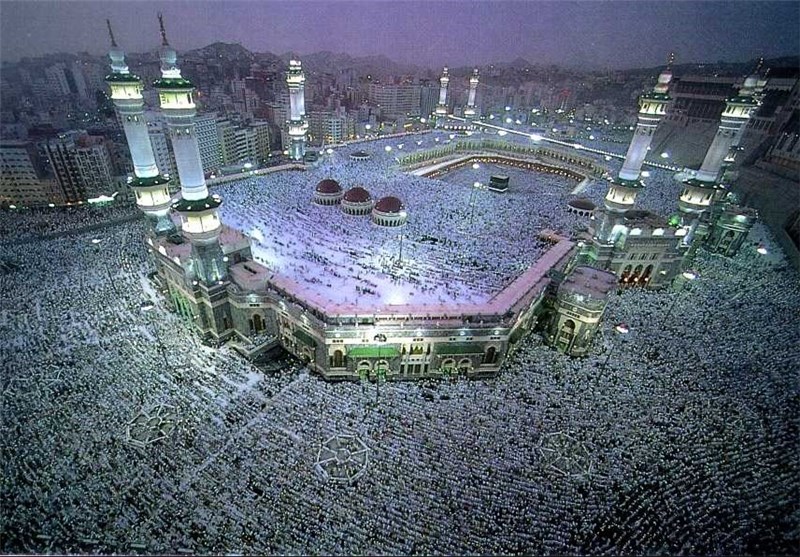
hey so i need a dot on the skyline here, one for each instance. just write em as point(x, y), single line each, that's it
point(614, 35)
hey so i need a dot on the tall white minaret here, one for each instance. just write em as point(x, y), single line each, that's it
point(622, 191)
point(469, 111)
point(700, 193)
point(737, 111)
point(151, 189)
point(652, 108)
point(441, 108)
point(198, 210)
point(298, 125)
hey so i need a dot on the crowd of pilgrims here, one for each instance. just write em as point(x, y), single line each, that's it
point(22, 225)
point(680, 436)
point(460, 243)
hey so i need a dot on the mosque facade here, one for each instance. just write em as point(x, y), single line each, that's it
point(207, 272)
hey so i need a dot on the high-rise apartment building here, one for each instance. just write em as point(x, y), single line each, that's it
point(23, 181)
point(395, 100)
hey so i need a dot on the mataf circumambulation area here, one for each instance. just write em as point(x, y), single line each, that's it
point(327, 260)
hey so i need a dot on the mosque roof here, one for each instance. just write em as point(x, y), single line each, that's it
point(329, 186)
point(357, 195)
point(389, 204)
point(582, 203)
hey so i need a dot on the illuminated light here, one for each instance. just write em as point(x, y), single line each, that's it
point(509, 120)
point(248, 165)
point(96, 240)
point(622, 328)
point(645, 173)
point(452, 136)
point(536, 137)
point(665, 155)
point(508, 108)
point(502, 133)
point(555, 130)
point(436, 139)
point(329, 151)
point(12, 206)
point(688, 275)
point(517, 122)
point(51, 204)
point(213, 176)
point(368, 127)
point(608, 158)
point(147, 307)
point(475, 166)
point(225, 259)
point(762, 250)
point(388, 148)
point(591, 137)
point(476, 185)
point(419, 142)
point(422, 120)
point(491, 116)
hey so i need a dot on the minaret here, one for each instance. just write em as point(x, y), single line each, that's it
point(198, 210)
point(469, 111)
point(298, 126)
point(150, 188)
point(700, 193)
point(737, 111)
point(622, 191)
point(441, 108)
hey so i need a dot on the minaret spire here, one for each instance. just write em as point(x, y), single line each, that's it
point(164, 41)
point(670, 60)
point(111, 34)
point(759, 65)
point(152, 189)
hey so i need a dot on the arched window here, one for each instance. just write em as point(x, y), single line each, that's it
point(491, 355)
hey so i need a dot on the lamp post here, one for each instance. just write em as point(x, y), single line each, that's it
point(380, 338)
point(475, 187)
point(689, 276)
point(622, 329)
point(96, 242)
point(147, 308)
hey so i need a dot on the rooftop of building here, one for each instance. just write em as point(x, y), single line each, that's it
point(590, 282)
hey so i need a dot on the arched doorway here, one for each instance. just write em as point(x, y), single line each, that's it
point(725, 241)
point(491, 355)
point(464, 366)
point(636, 274)
point(338, 359)
point(626, 273)
point(258, 323)
point(363, 369)
point(646, 275)
point(448, 366)
point(566, 335)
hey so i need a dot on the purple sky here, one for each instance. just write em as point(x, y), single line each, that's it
point(595, 34)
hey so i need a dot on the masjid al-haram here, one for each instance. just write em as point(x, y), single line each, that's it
point(462, 338)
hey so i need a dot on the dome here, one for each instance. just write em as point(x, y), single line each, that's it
point(329, 186)
point(582, 204)
point(389, 204)
point(357, 195)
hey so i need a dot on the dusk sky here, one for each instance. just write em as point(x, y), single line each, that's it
point(593, 34)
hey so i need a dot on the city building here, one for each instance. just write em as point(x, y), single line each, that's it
point(395, 100)
point(23, 179)
point(82, 166)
